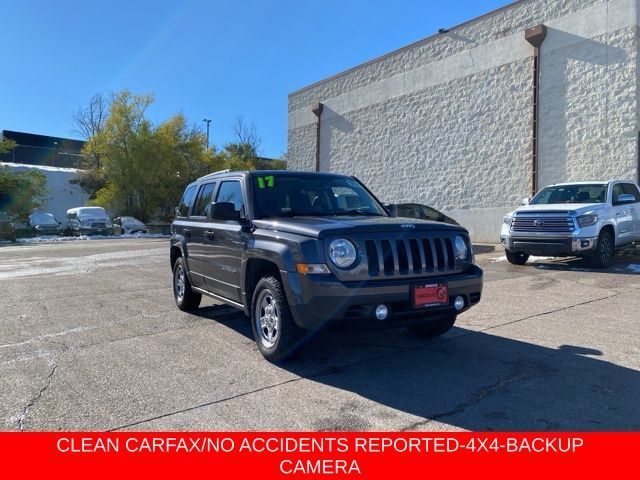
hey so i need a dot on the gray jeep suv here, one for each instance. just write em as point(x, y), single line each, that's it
point(297, 251)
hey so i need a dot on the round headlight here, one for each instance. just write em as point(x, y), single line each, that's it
point(342, 253)
point(461, 249)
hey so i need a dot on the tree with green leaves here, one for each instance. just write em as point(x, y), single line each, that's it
point(145, 167)
point(21, 192)
point(7, 145)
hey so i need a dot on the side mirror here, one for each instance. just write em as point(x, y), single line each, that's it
point(224, 211)
point(176, 211)
point(625, 198)
point(525, 201)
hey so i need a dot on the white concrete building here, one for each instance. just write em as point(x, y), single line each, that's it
point(474, 119)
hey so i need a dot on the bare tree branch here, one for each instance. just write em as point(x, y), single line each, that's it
point(89, 120)
point(246, 134)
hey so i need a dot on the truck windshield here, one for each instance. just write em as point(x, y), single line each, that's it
point(588, 193)
point(288, 195)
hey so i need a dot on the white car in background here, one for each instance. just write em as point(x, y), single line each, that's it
point(585, 219)
point(128, 225)
point(88, 221)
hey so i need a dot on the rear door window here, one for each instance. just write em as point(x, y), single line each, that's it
point(185, 202)
point(203, 201)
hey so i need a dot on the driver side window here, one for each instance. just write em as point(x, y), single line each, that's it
point(617, 191)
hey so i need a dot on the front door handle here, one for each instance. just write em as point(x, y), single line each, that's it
point(210, 234)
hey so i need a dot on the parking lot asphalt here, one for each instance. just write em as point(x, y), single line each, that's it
point(90, 339)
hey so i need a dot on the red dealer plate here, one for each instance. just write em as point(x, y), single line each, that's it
point(430, 295)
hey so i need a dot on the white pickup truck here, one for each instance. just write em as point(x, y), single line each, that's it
point(586, 219)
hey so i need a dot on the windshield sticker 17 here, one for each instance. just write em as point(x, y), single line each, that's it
point(266, 182)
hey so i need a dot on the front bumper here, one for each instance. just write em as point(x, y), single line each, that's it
point(318, 300)
point(582, 246)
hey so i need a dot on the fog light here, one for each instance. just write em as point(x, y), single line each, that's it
point(459, 303)
point(382, 311)
point(585, 243)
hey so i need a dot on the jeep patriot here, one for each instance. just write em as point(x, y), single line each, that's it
point(297, 251)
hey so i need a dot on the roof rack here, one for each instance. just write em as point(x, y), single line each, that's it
point(220, 171)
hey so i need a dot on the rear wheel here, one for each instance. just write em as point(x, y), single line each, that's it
point(517, 258)
point(276, 333)
point(186, 298)
point(604, 251)
point(434, 328)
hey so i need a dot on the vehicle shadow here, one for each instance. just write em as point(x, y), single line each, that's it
point(466, 379)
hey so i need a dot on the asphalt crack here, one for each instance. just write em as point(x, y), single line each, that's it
point(25, 411)
point(529, 371)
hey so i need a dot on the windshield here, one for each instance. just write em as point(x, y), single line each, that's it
point(131, 221)
point(92, 211)
point(571, 194)
point(286, 195)
point(42, 219)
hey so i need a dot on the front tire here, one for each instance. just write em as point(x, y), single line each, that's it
point(604, 251)
point(516, 258)
point(434, 328)
point(276, 333)
point(186, 298)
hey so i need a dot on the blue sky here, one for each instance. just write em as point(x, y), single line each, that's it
point(215, 59)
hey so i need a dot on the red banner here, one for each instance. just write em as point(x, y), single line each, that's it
point(313, 455)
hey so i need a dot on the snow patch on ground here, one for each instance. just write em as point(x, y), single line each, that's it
point(54, 238)
point(534, 259)
point(81, 264)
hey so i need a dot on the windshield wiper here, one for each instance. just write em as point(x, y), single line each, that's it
point(365, 213)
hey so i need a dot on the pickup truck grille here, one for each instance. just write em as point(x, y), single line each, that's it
point(542, 224)
point(410, 256)
point(98, 225)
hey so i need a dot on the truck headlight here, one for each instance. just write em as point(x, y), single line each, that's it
point(460, 248)
point(587, 220)
point(507, 220)
point(342, 253)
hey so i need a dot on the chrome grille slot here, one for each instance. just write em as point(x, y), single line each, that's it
point(416, 256)
point(403, 259)
point(387, 256)
point(439, 253)
point(451, 262)
point(429, 256)
point(373, 259)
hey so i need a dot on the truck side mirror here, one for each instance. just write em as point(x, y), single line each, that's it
point(525, 201)
point(625, 198)
point(224, 211)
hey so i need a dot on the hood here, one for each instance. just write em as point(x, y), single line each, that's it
point(320, 227)
point(577, 208)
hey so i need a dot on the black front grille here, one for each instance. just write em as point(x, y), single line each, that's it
point(409, 256)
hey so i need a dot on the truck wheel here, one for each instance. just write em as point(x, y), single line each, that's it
point(604, 251)
point(186, 298)
point(517, 258)
point(276, 333)
point(434, 328)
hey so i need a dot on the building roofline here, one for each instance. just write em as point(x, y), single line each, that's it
point(422, 41)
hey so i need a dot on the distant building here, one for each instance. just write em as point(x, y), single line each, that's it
point(478, 116)
point(33, 149)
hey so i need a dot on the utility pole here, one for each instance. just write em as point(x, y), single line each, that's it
point(208, 121)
